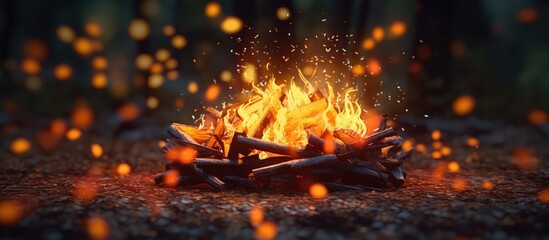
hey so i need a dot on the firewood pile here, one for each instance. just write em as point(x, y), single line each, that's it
point(285, 139)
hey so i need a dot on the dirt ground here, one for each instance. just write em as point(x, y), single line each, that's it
point(58, 192)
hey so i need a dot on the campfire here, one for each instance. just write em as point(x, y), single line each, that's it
point(286, 136)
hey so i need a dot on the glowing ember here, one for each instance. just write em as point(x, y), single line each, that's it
point(256, 216)
point(97, 228)
point(10, 212)
point(20, 146)
point(266, 231)
point(123, 169)
point(231, 25)
point(318, 190)
point(96, 150)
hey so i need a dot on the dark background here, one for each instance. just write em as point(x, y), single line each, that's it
point(495, 51)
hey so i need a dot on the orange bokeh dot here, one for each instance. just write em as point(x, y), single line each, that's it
point(460, 185)
point(171, 179)
point(374, 66)
point(318, 190)
point(35, 49)
point(63, 72)
point(368, 43)
point(58, 127)
point(378, 33)
point(473, 142)
point(73, 134)
point(96, 150)
point(527, 15)
point(463, 105)
point(266, 231)
point(488, 185)
point(83, 46)
point(398, 28)
point(30, 66)
point(100, 63)
point(543, 196)
point(123, 169)
point(212, 9)
point(99, 80)
point(538, 117)
point(256, 216)
point(20, 145)
point(82, 117)
point(129, 112)
point(97, 228)
point(10, 212)
point(168, 30)
point(231, 25)
point(436, 135)
point(93, 29)
point(179, 42)
point(139, 29)
point(453, 166)
point(212, 92)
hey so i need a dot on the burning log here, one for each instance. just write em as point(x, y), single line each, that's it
point(274, 139)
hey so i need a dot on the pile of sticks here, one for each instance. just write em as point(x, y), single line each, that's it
point(373, 162)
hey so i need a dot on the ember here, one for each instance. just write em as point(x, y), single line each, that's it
point(286, 136)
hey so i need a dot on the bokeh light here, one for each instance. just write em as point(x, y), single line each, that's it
point(231, 25)
point(65, 34)
point(20, 146)
point(212, 9)
point(463, 105)
point(63, 72)
point(139, 29)
point(96, 150)
point(318, 190)
point(123, 169)
point(283, 13)
point(83, 46)
point(179, 42)
point(97, 228)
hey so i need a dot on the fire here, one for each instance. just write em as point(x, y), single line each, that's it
point(289, 113)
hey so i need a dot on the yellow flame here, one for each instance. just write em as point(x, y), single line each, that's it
point(287, 113)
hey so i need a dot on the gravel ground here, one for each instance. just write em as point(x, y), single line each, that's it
point(433, 203)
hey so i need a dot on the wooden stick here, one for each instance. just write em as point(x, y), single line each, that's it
point(296, 165)
point(209, 179)
point(258, 144)
point(214, 162)
point(238, 181)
